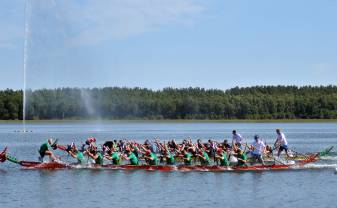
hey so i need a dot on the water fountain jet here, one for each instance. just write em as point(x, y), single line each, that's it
point(25, 61)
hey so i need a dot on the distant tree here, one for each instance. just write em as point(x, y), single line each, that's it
point(258, 102)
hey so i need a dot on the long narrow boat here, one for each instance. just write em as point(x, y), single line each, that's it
point(214, 168)
point(55, 165)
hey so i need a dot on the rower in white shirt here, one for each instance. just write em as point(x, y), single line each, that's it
point(282, 142)
point(237, 140)
point(258, 149)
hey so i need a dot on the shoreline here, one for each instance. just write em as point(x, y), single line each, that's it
point(171, 121)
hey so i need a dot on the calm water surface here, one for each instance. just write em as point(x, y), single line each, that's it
point(117, 188)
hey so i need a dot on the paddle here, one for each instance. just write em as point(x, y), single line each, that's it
point(274, 156)
point(278, 161)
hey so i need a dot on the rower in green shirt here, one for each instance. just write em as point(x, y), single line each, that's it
point(222, 157)
point(131, 156)
point(204, 158)
point(80, 157)
point(169, 157)
point(45, 149)
point(135, 150)
point(97, 156)
point(75, 153)
point(115, 157)
point(151, 158)
point(187, 157)
point(242, 157)
point(99, 159)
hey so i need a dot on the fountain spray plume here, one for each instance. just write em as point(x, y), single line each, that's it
point(25, 59)
point(90, 107)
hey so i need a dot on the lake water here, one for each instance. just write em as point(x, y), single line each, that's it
point(117, 188)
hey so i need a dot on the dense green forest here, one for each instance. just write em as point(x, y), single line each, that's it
point(260, 102)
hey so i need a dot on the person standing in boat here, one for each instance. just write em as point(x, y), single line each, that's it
point(282, 142)
point(258, 149)
point(237, 140)
point(45, 149)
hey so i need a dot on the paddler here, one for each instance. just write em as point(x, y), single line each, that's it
point(212, 148)
point(225, 145)
point(45, 149)
point(242, 157)
point(269, 151)
point(187, 157)
point(258, 149)
point(130, 156)
point(75, 153)
point(114, 156)
point(90, 142)
point(95, 155)
point(169, 157)
point(200, 144)
point(222, 157)
point(282, 142)
point(203, 157)
point(135, 149)
point(151, 158)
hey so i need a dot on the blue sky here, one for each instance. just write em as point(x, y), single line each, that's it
point(169, 43)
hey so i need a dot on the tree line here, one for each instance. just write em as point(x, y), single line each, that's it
point(259, 102)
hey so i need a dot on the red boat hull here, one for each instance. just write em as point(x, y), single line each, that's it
point(39, 165)
point(54, 165)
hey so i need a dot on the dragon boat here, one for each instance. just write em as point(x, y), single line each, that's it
point(213, 168)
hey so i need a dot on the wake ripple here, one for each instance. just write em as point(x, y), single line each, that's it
point(320, 166)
